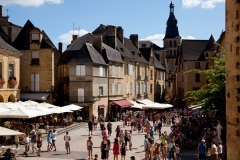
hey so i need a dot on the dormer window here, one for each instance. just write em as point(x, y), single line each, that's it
point(122, 49)
point(144, 45)
point(35, 37)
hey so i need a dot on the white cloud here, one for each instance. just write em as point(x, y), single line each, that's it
point(67, 37)
point(156, 38)
point(188, 37)
point(27, 3)
point(208, 4)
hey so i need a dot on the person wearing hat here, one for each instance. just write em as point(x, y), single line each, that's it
point(132, 158)
point(202, 150)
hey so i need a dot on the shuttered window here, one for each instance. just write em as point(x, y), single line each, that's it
point(101, 71)
point(126, 88)
point(137, 88)
point(35, 82)
point(113, 71)
point(119, 89)
point(131, 88)
point(145, 88)
point(80, 70)
point(35, 37)
point(113, 89)
point(119, 71)
point(80, 95)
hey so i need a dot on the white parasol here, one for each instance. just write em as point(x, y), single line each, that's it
point(10, 105)
point(6, 131)
point(47, 105)
point(60, 110)
point(20, 113)
point(73, 107)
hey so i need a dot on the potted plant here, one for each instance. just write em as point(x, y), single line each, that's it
point(12, 81)
point(2, 81)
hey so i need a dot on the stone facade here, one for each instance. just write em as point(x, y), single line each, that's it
point(232, 78)
point(9, 92)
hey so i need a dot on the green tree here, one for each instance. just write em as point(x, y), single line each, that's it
point(214, 92)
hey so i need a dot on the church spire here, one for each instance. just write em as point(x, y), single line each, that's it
point(172, 28)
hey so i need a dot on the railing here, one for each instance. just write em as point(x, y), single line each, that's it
point(81, 99)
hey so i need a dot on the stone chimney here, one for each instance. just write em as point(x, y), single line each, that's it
point(120, 34)
point(97, 42)
point(9, 34)
point(60, 47)
point(111, 36)
point(134, 39)
point(74, 37)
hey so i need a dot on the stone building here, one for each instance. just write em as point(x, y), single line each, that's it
point(193, 54)
point(38, 78)
point(232, 40)
point(156, 74)
point(9, 72)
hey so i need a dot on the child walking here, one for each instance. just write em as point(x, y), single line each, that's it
point(123, 151)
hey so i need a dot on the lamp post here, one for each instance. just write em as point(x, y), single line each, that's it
point(212, 111)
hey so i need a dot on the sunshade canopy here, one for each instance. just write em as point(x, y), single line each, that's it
point(6, 131)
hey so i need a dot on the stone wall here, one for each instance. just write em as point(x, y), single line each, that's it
point(232, 79)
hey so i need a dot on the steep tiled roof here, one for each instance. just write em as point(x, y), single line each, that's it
point(87, 54)
point(6, 46)
point(112, 54)
point(79, 42)
point(193, 49)
point(157, 64)
point(22, 42)
point(124, 51)
point(145, 44)
point(211, 46)
point(138, 57)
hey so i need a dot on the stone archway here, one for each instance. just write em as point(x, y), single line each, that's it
point(11, 98)
point(1, 98)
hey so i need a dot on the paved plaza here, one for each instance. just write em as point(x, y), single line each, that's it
point(79, 149)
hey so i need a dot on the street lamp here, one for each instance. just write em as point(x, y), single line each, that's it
point(212, 111)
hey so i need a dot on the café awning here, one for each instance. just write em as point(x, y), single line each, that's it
point(145, 101)
point(123, 103)
point(101, 106)
point(136, 105)
point(34, 96)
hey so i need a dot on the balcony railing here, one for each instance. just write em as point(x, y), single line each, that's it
point(81, 99)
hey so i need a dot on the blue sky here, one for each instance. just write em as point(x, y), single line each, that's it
point(197, 19)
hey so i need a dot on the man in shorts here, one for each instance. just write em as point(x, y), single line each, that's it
point(67, 139)
point(34, 140)
point(54, 137)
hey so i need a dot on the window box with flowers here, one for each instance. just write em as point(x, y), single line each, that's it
point(2, 82)
point(12, 81)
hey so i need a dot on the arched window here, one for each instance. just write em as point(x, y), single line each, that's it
point(170, 43)
point(175, 44)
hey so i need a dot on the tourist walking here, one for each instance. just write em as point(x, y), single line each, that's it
point(202, 150)
point(171, 149)
point(103, 148)
point(116, 148)
point(220, 150)
point(54, 138)
point(49, 141)
point(213, 151)
point(109, 128)
point(157, 152)
point(104, 133)
point(117, 131)
point(33, 141)
point(126, 137)
point(16, 139)
point(89, 147)
point(146, 146)
point(95, 121)
point(67, 140)
point(39, 144)
point(26, 143)
point(90, 127)
point(123, 151)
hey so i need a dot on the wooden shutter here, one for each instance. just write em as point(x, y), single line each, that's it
point(100, 71)
point(119, 71)
point(32, 82)
point(145, 89)
point(113, 89)
point(137, 88)
point(129, 69)
point(80, 95)
point(82, 70)
point(119, 89)
point(35, 55)
point(131, 88)
point(78, 68)
point(37, 82)
point(113, 71)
